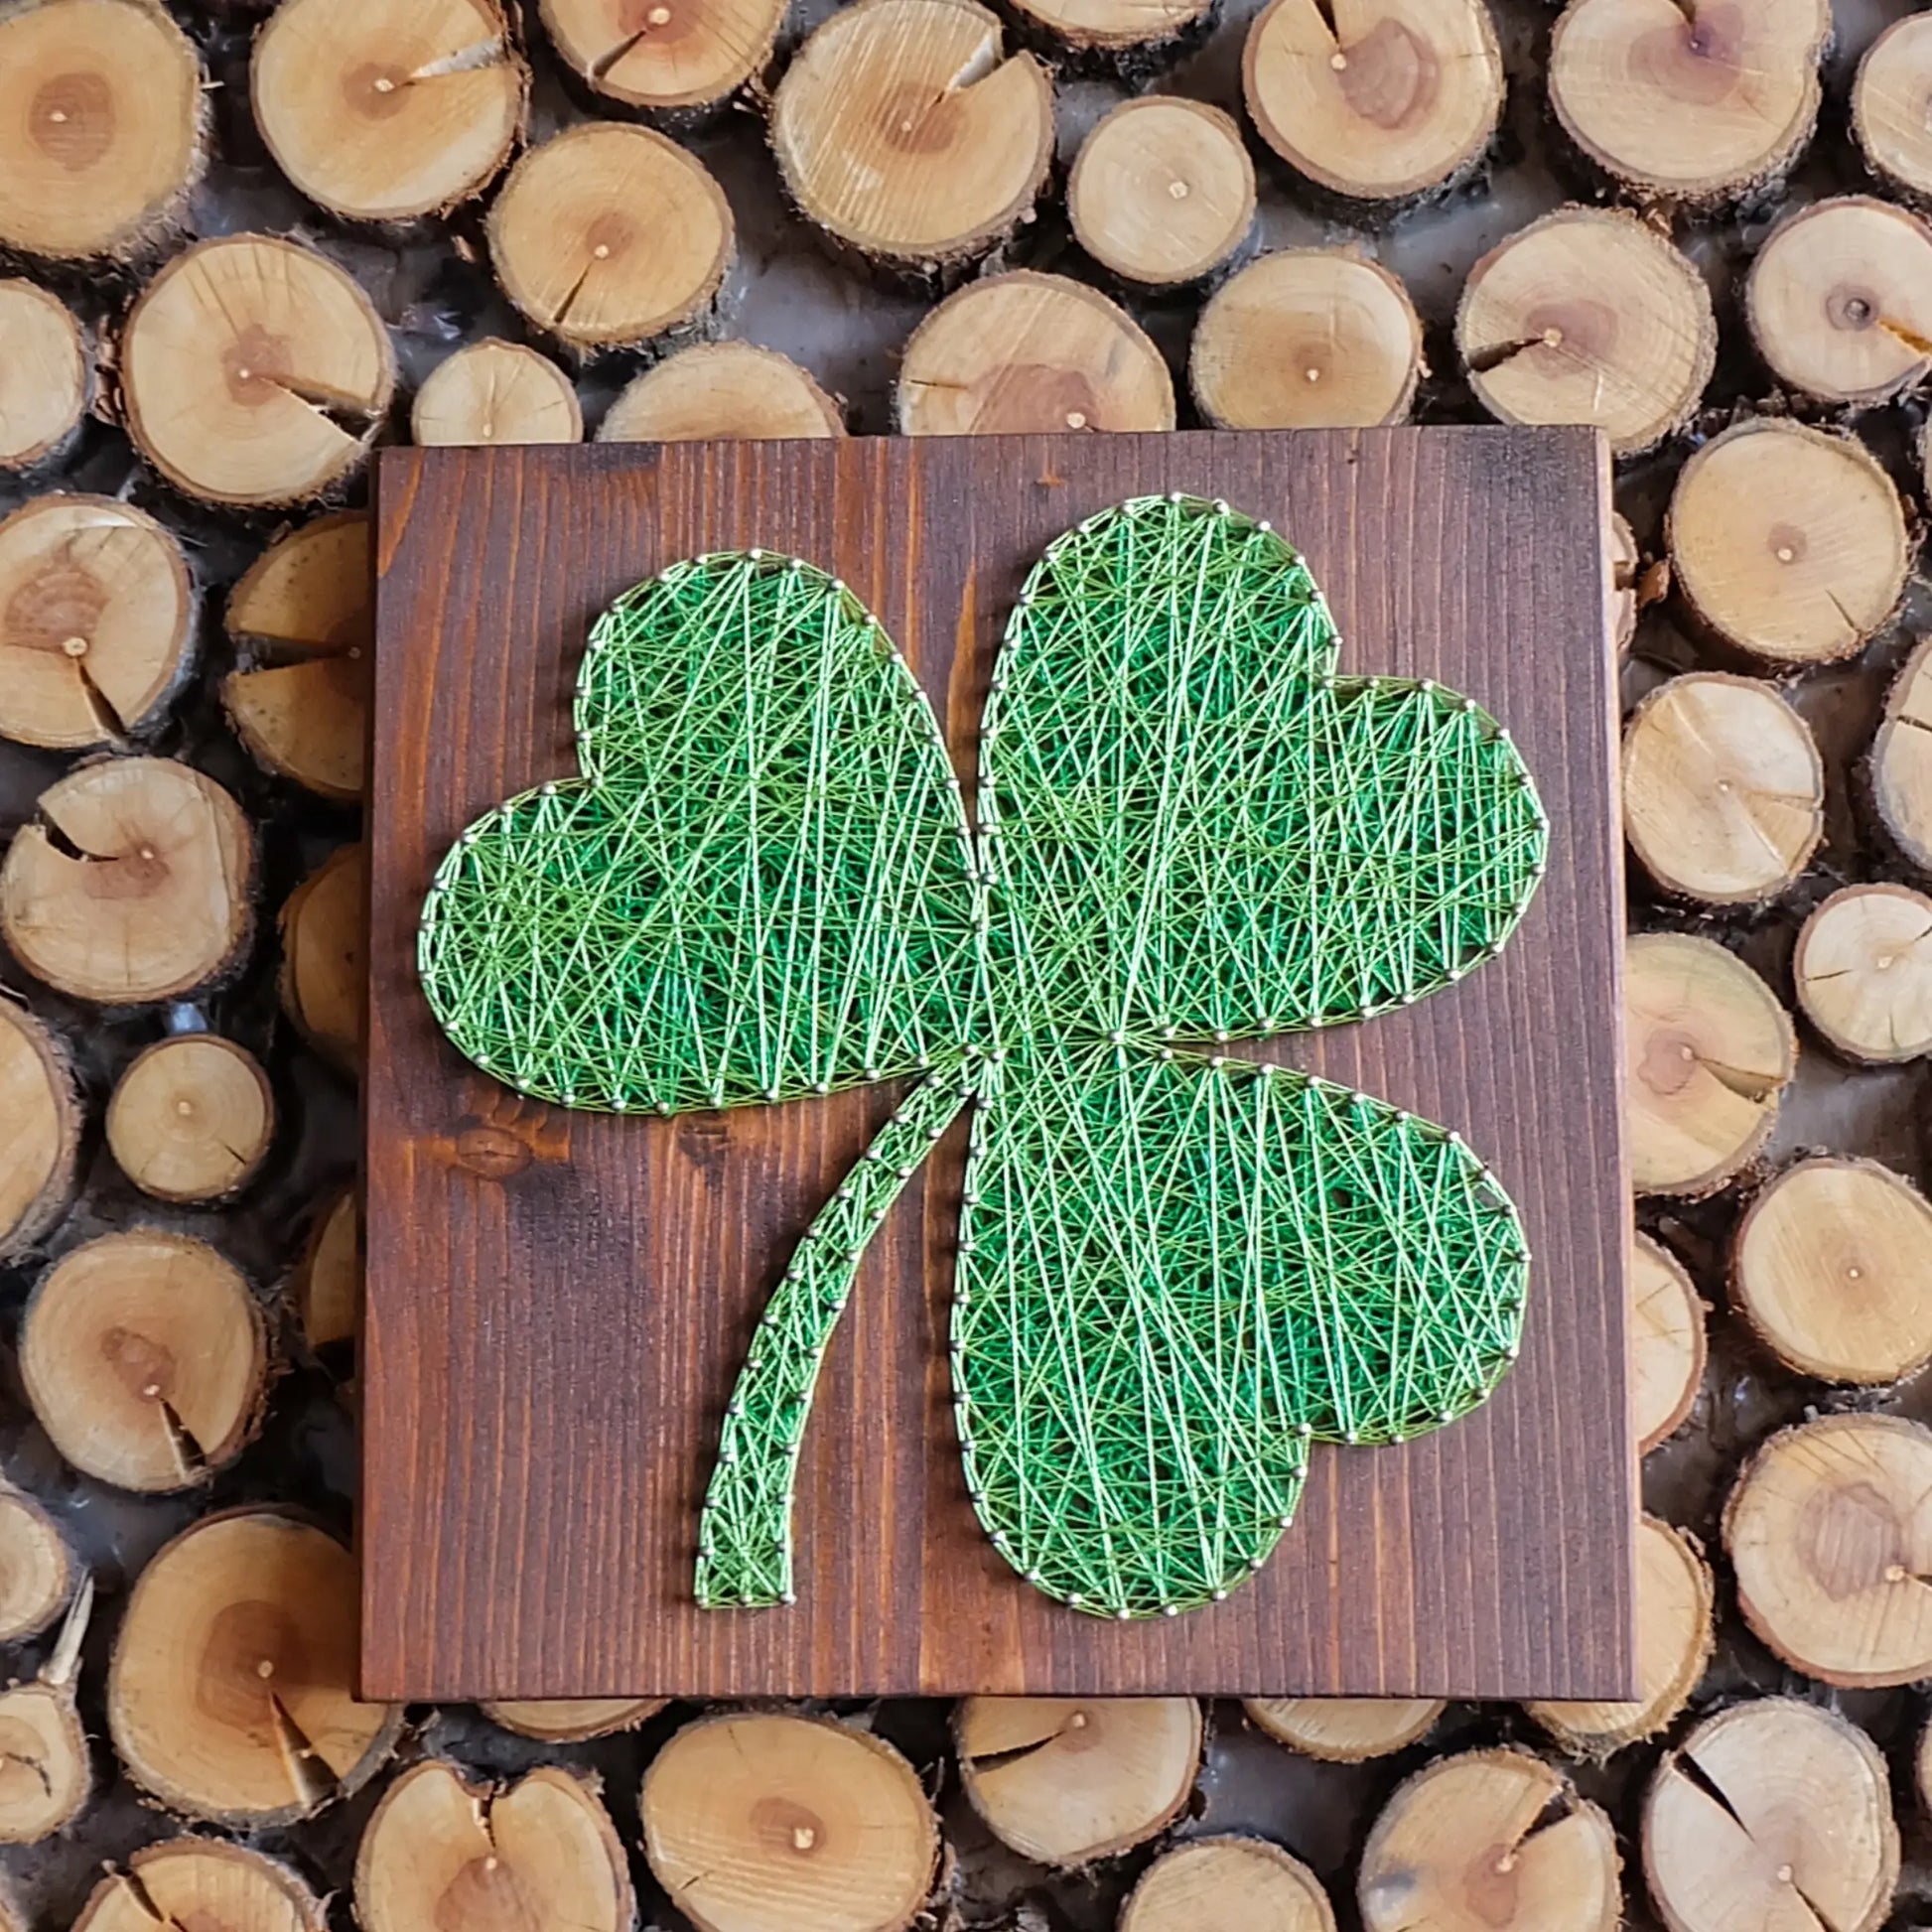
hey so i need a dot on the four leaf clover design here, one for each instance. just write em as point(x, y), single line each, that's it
point(1179, 1265)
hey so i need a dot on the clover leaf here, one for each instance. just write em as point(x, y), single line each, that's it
point(1178, 1266)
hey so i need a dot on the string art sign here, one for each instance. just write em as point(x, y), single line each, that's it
point(1177, 1267)
point(970, 1042)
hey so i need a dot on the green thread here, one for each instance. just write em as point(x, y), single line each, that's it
point(1176, 1268)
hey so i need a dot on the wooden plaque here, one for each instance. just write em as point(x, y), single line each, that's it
point(558, 1303)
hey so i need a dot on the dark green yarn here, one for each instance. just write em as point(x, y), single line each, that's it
point(1175, 1269)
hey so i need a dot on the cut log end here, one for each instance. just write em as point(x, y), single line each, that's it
point(39, 1153)
point(1025, 352)
point(1789, 543)
point(1227, 1881)
point(904, 130)
point(1346, 1731)
point(323, 977)
point(97, 622)
point(328, 1277)
point(1724, 789)
point(1068, 1780)
point(1496, 1839)
point(36, 1566)
point(145, 1358)
point(1307, 339)
point(721, 389)
point(1864, 971)
point(1828, 1541)
point(1674, 1641)
point(572, 1720)
point(204, 1883)
point(1378, 104)
point(1832, 1266)
point(1668, 1346)
point(191, 1118)
point(45, 1775)
point(1696, 105)
point(131, 883)
point(45, 380)
point(668, 57)
point(229, 1696)
point(383, 115)
point(610, 236)
point(1888, 106)
point(307, 722)
point(1116, 26)
point(1901, 760)
point(1772, 1813)
point(1161, 193)
point(747, 1806)
point(285, 362)
point(1589, 316)
point(442, 1852)
point(309, 591)
point(493, 393)
point(101, 122)
point(1709, 1052)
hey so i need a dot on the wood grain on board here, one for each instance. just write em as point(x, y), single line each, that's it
point(558, 1303)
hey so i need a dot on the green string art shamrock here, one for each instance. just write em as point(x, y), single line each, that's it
point(1176, 1268)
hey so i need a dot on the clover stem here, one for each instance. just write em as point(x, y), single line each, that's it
point(745, 1530)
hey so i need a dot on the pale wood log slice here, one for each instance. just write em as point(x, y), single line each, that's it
point(97, 622)
point(1306, 338)
point(541, 1854)
point(46, 1776)
point(1115, 26)
point(202, 1885)
point(1788, 542)
point(191, 1118)
point(1773, 1816)
point(323, 981)
point(1068, 1780)
point(130, 884)
point(1025, 352)
point(670, 58)
point(1162, 191)
point(1839, 300)
point(1829, 1531)
point(1708, 1054)
point(721, 389)
point(254, 372)
point(145, 1357)
point(495, 392)
point(1901, 759)
point(1231, 1882)
point(1864, 972)
point(1922, 1769)
point(757, 1818)
point(1689, 100)
point(1490, 1842)
point(328, 1277)
point(572, 1720)
point(228, 1697)
point(1375, 101)
point(1832, 1267)
point(1626, 568)
point(1346, 1731)
point(609, 236)
point(384, 110)
point(311, 591)
point(1892, 106)
point(101, 127)
point(36, 1566)
point(1675, 1605)
point(40, 1104)
point(1668, 1347)
point(1589, 316)
point(1724, 789)
point(906, 131)
point(307, 722)
point(45, 377)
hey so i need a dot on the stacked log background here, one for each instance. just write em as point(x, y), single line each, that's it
point(176, 1349)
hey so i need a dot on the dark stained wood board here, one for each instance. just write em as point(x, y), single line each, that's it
point(558, 1303)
